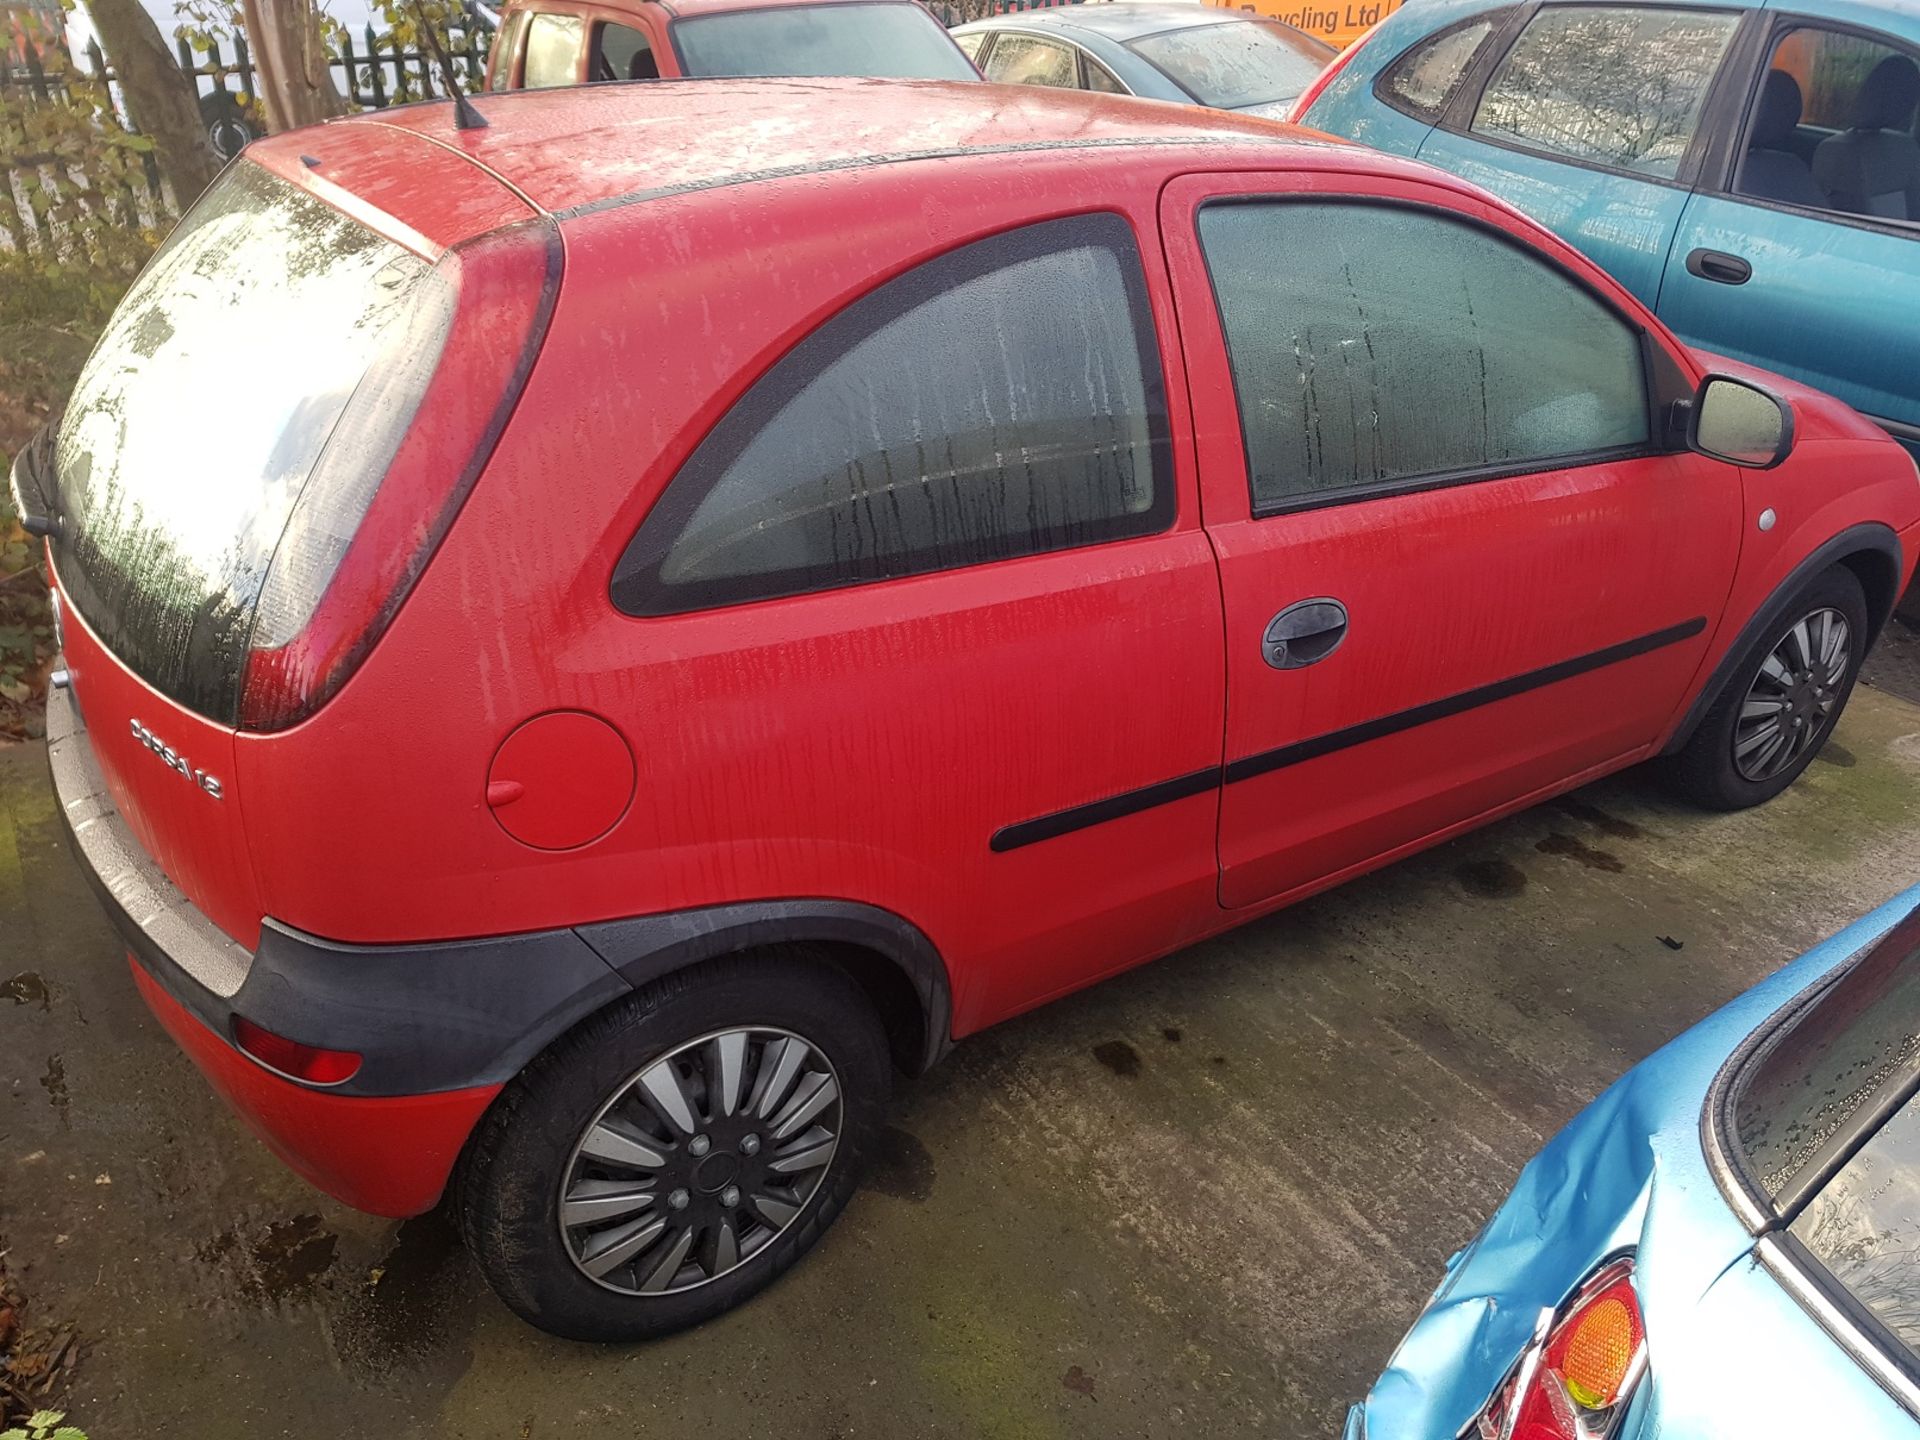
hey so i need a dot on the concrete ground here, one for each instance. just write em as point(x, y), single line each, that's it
point(1203, 1199)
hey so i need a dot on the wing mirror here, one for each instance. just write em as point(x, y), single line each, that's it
point(1740, 423)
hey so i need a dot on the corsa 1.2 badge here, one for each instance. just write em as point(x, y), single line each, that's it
point(174, 761)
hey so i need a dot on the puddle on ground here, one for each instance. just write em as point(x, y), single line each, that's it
point(284, 1262)
point(1118, 1056)
point(412, 1310)
point(1491, 879)
point(901, 1166)
point(1572, 849)
point(1600, 820)
point(26, 988)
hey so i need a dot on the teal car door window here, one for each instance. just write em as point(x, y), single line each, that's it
point(1619, 86)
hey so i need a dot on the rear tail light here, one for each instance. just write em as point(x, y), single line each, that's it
point(1575, 1379)
point(1298, 115)
point(400, 463)
point(306, 1063)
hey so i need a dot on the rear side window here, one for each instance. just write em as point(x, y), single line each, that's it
point(1813, 1080)
point(553, 51)
point(1100, 79)
point(1422, 81)
point(621, 53)
point(1377, 347)
point(1002, 400)
point(897, 41)
point(1621, 87)
point(1236, 63)
point(1029, 60)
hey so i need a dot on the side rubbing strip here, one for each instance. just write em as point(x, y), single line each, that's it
point(1063, 822)
point(1251, 765)
point(1080, 817)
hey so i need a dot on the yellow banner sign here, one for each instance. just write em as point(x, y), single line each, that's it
point(1339, 23)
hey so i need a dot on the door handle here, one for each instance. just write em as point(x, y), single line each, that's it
point(1719, 267)
point(1305, 633)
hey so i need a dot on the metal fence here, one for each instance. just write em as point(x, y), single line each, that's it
point(43, 189)
point(372, 71)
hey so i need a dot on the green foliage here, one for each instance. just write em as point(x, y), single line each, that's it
point(205, 23)
point(83, 178)
point(43, 1425)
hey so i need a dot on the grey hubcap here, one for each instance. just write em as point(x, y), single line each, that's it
point(1792, 700)
point(699, 1161)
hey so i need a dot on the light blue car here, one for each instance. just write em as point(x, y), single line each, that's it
point(1750, 172)
point(1724, 1246)
point(1157, 49)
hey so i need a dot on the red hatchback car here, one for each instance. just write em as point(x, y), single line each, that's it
point(715, 591)
point(544, 43)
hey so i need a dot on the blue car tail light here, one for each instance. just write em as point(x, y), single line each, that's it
point(1575, 1378)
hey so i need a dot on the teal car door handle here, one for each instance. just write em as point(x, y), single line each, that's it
point(1720, 267)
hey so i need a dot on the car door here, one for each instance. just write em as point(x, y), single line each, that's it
point(1460, 567)
point(1589, 122)
point(1773, 267)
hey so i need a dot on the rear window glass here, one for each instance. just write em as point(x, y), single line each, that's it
point(891, 40)
point(1813, 1080)
point(1238, 63)
point(1864, 1226)
point(199, 415)
point(1001, 400)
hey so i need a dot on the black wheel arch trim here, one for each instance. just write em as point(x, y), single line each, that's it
point(1868, 537)
point(643, 949)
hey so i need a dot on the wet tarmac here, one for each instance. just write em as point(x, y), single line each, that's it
point(1204, 1198)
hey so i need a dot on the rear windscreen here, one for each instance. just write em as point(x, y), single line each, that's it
point(895, 41)
point(1830, 1067)
point(1240, 62)
point(199, 416)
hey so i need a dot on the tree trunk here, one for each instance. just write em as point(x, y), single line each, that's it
point(160, 97)
point(290, 58)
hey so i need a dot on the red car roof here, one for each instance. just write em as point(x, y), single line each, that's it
point(587, 146)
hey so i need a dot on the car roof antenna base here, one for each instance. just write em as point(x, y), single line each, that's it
point(465, 115)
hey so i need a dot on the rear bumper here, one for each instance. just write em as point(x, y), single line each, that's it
point(440, 1028)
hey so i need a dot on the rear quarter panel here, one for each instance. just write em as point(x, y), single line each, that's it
point(1348, 106)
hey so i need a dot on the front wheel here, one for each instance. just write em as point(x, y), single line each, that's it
point(1782, 702)
point(674, 1154)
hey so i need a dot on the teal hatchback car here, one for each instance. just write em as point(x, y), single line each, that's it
point(1751, 172)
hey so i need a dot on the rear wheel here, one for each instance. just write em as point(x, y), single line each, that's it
point(1782, 702)
point(677, 1152)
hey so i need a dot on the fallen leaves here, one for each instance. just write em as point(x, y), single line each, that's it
point(36, 1362)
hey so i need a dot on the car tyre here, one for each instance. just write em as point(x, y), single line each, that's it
point(1781, 702)
point(651, 1078)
